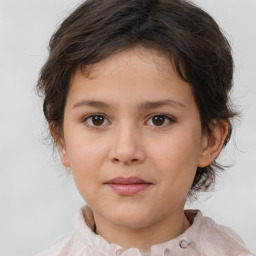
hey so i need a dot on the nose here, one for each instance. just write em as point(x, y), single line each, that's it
point(127, 146)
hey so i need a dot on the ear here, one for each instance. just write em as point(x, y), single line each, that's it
point(212, 143)
point(60, 143)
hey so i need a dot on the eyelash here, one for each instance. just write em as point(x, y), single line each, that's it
point(167, 118)
point(85, 120)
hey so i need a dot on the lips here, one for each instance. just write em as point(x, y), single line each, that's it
point(128, 186)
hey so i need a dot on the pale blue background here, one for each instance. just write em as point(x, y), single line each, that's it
point(37, 198)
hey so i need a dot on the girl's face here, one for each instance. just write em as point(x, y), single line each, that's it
point(133, 139)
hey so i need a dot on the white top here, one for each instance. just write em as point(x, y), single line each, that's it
point(203, 238)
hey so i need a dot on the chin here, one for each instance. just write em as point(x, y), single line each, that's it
point(131, 219)
point(132, 223)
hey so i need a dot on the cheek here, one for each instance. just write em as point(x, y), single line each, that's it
point(86, 160)
point(176, 160)
point(84, 150)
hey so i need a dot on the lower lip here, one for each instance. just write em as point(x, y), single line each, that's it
point(128, 189)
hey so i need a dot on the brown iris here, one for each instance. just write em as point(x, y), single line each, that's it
point(158, 120)
point(98, 120)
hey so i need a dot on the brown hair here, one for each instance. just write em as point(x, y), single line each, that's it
point(100, 28)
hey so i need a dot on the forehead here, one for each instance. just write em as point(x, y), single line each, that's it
point(132, 57)
point(139, 74)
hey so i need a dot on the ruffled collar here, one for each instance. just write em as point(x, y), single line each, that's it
point(194, 241)
point(84, 225)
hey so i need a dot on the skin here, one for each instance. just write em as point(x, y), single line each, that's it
point(129, 142)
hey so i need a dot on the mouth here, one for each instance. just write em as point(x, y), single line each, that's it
point(128, 186)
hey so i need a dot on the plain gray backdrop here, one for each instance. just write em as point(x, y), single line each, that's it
point(38, 199)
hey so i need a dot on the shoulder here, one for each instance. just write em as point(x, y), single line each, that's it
point(216, 239)
point(69, 245)
point(81, 242)
point(60, 247)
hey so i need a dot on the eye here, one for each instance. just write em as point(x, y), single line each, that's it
point(159, 120)
point(96, 120)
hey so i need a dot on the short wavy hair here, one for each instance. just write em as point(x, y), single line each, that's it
point(97, 29)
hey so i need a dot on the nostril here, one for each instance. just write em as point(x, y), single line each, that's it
point(116, 160)
point(127, 161)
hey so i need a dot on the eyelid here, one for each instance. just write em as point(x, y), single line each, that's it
point(85, 118)
point(170, 118)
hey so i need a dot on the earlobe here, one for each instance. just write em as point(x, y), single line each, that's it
point(61, 147)
point(213, 143)
point(63, 154)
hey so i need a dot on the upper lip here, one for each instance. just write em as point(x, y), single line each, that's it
point(127, 181)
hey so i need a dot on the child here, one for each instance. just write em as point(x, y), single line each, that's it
point(136, 97)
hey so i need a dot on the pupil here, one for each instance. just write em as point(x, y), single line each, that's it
point(158, 120)
point(98, 120)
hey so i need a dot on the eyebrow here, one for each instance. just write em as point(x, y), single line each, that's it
point(161, 103)
point(92, 103)
point(143, 105)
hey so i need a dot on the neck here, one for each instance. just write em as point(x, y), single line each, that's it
point(144, 237)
